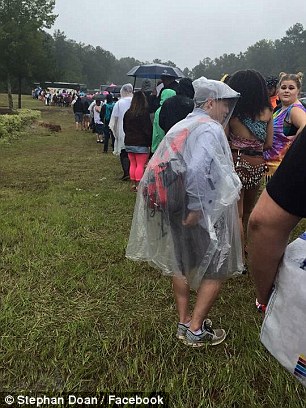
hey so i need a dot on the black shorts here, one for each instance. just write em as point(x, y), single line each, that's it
point(99, 128)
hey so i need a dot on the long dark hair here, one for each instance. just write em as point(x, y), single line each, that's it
point(253, 91)
point(139, 104)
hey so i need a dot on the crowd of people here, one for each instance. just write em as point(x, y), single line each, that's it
point(197, 153)
point(215, 141)
point(141, 119)
point(60, 98)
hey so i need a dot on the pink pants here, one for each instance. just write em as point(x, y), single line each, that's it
point(137, 165)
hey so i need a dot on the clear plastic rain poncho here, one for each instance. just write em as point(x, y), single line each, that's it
point(116, 121)
point(199, 237)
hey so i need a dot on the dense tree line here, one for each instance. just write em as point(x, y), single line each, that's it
point(29, 54)
point(23, 43)
point(76, 62)
point(287, 54)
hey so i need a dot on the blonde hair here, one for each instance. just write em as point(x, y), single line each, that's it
point(297, 78)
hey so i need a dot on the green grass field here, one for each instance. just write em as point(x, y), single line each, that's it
point(77, 316)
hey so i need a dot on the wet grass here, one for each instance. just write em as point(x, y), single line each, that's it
point(77, 316)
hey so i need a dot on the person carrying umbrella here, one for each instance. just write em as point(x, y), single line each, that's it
point(168, 82)
point(167, 75)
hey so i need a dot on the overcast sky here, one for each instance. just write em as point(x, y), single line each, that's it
point(182, 31)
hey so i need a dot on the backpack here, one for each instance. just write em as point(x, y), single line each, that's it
point(164, 185)
point(108, 112)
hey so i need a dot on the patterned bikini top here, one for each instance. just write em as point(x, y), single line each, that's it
point(257, 127)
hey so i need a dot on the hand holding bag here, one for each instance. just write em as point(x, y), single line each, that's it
point(283, 331)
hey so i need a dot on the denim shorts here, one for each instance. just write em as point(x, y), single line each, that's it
point(137, 149)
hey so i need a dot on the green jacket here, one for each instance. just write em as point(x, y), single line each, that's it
point(158, 133)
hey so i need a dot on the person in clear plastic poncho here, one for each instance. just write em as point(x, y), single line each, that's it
point(196, 241)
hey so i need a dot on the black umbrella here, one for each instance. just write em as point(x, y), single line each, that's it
point(99, 96)
point(155, 71)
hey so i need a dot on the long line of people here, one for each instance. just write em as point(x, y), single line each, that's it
point(139, 121)
point(198, 245)
point(264, 109)
point(256, 118)
point(264, 123)
point(219, 138)
point(230, 134)
point(60, 98)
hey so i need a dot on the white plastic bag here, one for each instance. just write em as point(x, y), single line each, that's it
point(283, 331)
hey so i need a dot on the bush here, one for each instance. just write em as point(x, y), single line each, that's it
point(11, 125)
